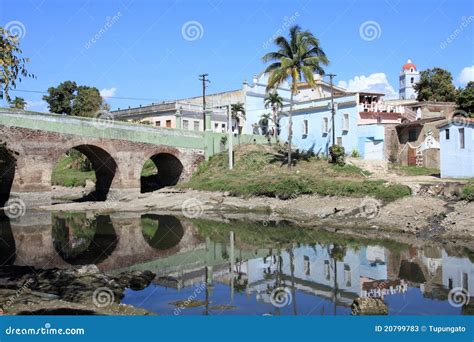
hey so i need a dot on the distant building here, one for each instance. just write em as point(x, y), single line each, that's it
point(409, 76)
point(457, 148)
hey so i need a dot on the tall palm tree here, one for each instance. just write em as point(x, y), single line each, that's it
point(238, 112)
point(299, 57)
point(275, 102)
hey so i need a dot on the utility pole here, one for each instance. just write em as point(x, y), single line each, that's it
point(229, 132)
point(203, 79)
point(333, 110)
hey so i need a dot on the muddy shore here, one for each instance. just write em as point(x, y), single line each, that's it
point(424, 216)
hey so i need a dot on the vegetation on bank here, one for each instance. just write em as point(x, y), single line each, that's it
point(405, 170)
point(68, 171)
point(258, 171)
point(468, 191)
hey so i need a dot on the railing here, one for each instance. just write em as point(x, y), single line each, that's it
point(380, 107)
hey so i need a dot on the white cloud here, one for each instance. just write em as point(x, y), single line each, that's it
point(376, 83)
point(37, 106)
point(105, 93)
point(466, 75)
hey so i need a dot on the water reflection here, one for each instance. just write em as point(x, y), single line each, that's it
point(161, 231)
point(7, 241)
point(237, 267)
point(80, 240)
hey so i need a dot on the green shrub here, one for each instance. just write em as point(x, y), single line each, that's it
point(468, 193)
point(337, 154)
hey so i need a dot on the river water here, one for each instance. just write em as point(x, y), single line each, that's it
point(242, 267)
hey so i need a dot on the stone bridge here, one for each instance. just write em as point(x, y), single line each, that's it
point(32, 143)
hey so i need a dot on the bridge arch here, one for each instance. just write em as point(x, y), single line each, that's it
point(104, 166)
point(168, 170)
point(7, 173)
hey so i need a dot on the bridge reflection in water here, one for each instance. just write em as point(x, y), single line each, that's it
point(322, 278)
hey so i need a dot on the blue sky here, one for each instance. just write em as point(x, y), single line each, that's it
point(146, 53)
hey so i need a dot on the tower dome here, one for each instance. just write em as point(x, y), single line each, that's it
point(409, 66)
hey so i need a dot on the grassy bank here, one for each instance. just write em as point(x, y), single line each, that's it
point(258, 171)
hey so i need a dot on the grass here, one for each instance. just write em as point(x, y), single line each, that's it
point(65, 174)
point(257, 173)
point(468, 191)
point(416, 171)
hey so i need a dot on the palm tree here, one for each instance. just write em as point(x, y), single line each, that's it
point(300, 57)
point(264, 119)
point(18, 103)
point(238, 112)
point(274, 101)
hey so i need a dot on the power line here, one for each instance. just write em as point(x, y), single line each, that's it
point(108, 97)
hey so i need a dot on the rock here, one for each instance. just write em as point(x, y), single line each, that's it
point(369, 306)
point(86, 270)
point(136, 280)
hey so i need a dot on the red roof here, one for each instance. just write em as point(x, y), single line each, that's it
point(408, 65)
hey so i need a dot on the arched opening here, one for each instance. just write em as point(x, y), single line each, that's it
point(161, 232)
point(80, 240)
point(7, 173)
point(86, 171)
point(7, 241)
point(162, 169)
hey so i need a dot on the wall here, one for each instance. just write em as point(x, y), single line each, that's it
point(456, 162)
point(315, 112)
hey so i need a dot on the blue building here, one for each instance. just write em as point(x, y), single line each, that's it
point(457, 148)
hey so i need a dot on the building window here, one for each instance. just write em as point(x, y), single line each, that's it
point(168, 123)
point(339, 141)
point(325, 125)
point(305, 128)
point(158, 123)
point(345, 124)
point(447, 134)
point(185, 124)
point(412, 80)
point(223, 128)
point(326, 270)
point(347, 275)
point(461, 138)
point(412, 134)
point(216, 127)
point(306, 265)
point(196, 125)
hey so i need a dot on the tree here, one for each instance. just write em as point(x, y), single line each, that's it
point(435, 85)
point(18, 103)
point(263, 123)
point(61, 98)
point(87, 101)
point(12, 65)
point(71, 99)
point(237, 111)
point(298, 58)
point(465, 99)
point(275, 102)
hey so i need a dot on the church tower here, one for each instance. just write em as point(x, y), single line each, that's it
point(409, 76)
